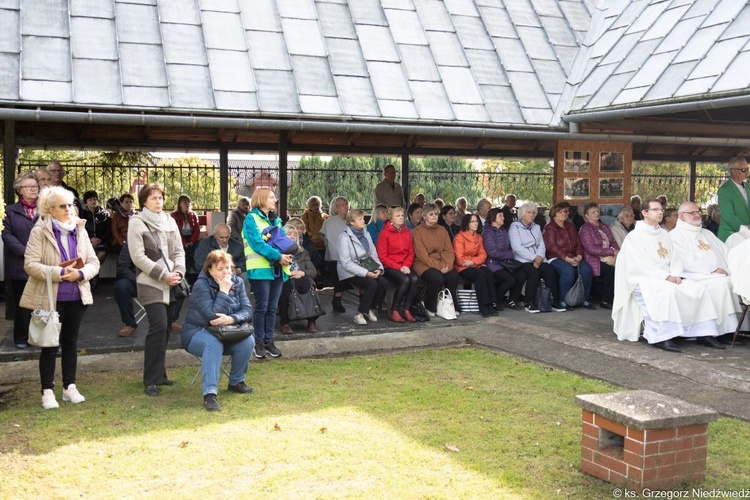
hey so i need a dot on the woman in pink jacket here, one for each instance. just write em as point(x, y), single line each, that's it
point(600, 250)
point(396, 252)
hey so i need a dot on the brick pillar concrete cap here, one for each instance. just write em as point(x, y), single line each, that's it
point(645, 409)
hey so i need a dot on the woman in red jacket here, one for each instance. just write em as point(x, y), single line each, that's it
point(190, 231)
point(396, 252)
point(470, 259)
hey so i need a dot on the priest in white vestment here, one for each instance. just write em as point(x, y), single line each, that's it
point(739, 269)
point(704, 260)
point(649, 288)
point(736, 238)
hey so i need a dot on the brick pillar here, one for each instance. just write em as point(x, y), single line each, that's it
point(637, 446)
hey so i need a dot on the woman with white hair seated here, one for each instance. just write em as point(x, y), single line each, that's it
point(623, 225)
point(527, 244)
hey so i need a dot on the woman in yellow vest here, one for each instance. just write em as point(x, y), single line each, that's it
point(267, 269)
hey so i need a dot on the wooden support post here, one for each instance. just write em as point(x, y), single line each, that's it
point(283, 173)
point(224, 180)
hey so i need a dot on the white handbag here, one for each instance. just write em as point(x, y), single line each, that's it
point(44, 328)
point(445, 307)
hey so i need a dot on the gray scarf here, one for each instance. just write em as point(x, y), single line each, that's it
point(156, 220)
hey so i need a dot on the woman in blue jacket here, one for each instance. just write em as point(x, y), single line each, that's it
point(218, 298)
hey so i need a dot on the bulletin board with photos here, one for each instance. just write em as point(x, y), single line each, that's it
point(593, 171)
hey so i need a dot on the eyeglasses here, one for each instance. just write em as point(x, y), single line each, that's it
point(30, 187)
point(743, 170)
point(655, 209)
point(694, 212)
point(66, 206)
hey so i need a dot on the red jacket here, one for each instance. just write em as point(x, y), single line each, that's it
point(562, 242)
point(468, 247)
point(195, 226)
point(395, 247)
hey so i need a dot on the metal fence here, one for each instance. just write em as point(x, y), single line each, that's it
point(202, 183)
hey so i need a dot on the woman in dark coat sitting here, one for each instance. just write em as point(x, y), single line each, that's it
point(500, 260)
point(302, 275)
point(218, 298)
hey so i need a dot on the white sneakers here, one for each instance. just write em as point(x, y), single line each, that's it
point(359, 319)
point(372, 316)
point(48, 400)
point(70, 394)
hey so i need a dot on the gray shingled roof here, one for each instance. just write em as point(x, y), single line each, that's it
point(646, 52)
point(493, 62)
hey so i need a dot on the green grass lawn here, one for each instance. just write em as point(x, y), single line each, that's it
point(454, 423)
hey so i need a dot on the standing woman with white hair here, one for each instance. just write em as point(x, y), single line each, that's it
point(528, 247)
point(58, 237)
point(332, 228)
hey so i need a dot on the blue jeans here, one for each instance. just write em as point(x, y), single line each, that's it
point(569, 274)
point(210, 350)
point(267, 293)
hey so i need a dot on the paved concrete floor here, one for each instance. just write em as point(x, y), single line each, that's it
point(580, 341)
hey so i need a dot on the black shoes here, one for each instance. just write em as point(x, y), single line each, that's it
point(151, 390)
point(710, 342)
point(498, 307)
point(210, 403)
point(557, 307)
point(272, 350)
point(167, 382)
point(589, 306)
point(515, 305)
point(240, 388)
point(337, 305)
point(668, 345)
point(605, 305)
point(259, 351)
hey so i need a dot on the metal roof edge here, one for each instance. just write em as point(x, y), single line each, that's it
point(632, 111)
point(97, 118)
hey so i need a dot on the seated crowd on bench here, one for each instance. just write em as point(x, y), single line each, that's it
point(506, 253)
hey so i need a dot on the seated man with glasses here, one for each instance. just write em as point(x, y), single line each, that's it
point(734, 198)
point(704, 261)
point(649, 287)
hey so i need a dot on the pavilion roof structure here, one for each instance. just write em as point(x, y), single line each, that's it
point(460, 77)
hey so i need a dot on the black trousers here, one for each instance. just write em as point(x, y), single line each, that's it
point(437, 281)
point(22, 316)
point(510, 283)
point(338, 286)
point(155, 354)
point(533, 276)
point(406, 289)
point(71, 315)
point(372, 294)
point(484, 284)
point(608, 282)
point(302, 285)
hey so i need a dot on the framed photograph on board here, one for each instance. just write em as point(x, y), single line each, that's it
point(577, 161)
point(608, 212)
point(577, 188)
point(612, 163)
point(610, 187)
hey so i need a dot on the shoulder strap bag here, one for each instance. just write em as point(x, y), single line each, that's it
point(182, 290)
point(44, 328)
point(367, 262)
point(576, 295)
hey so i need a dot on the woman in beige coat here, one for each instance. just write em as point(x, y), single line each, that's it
point(57, 237)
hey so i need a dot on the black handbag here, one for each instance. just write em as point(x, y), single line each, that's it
point(544, 298)
point(229, 334)
point(577, 294)
point(305, 305)
point(419, 311)
point(511, 265)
